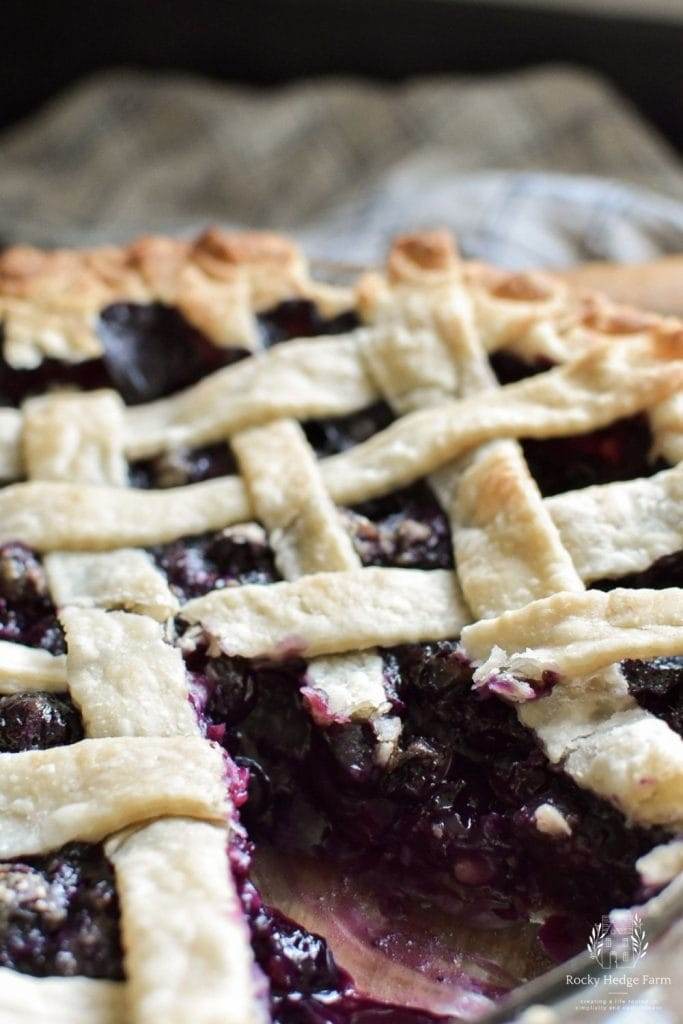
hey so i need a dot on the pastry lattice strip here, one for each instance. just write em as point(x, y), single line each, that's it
point(131, 688)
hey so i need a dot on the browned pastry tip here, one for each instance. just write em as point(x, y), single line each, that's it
point(239, 247)
point(524, 287)
point(422, 254)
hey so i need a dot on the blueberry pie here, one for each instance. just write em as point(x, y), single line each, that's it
point(385, 577)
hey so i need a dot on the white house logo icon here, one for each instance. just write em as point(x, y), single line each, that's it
point(610, 948)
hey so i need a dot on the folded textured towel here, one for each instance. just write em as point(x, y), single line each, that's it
point(538, 167)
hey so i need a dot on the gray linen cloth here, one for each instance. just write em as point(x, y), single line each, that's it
point(540, 167)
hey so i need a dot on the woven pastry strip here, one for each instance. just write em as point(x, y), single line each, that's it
point(93, 788)
point(122, 675)
point(128, 682)
point(607, 383)
point(304, 379)
point(126, 578)
point(59, 1000)
point(621, 528)
point(29, 668)
point(330, 613)
point(76, 517)
point(577, 634)
point(307, 536)
point(75, 437)
point(181, 921)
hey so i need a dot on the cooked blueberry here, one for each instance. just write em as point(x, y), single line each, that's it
point(196, 565)
point(242, 553)
point(27, 615)
point(407, 529)
point(278, 700)
point(300, 318)
point(151, 350)
point(417, 769)
point(353, 750)
point(658, 686)
point(36, 721)
point(620, 451)
point(188, 572)
point(328, 437)
point(234, 690)
point(183, 466)
point(60, 914)
point(665, 572)
point(509, 369)
point(22, 627)
point(296, 961)
point(17, 385)
point(22, 578)
point(258, 789)
point(433, 668)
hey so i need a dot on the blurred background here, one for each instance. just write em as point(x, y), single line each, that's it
point(542, 131)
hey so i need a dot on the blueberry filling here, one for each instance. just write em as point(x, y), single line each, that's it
point(151, 351)
point(331, 436)
point(236, 555)
point(665, 572)
point(27, 615)
point(459, 814)
point(183, 466)
point(306, 986)
point(657, 685)
point(300, 318)
point(453, 818)
point(620, 451)
point(617, 452)
point(60, 914)
point(406, 529)
point(17, 385)
point(37, 721)
point(509, 368)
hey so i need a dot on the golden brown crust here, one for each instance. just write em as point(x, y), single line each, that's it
point(245, 248)
point(422, 256)
point(419, 266)
point(26, 271)
point(540, 316)
point(49, 301)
